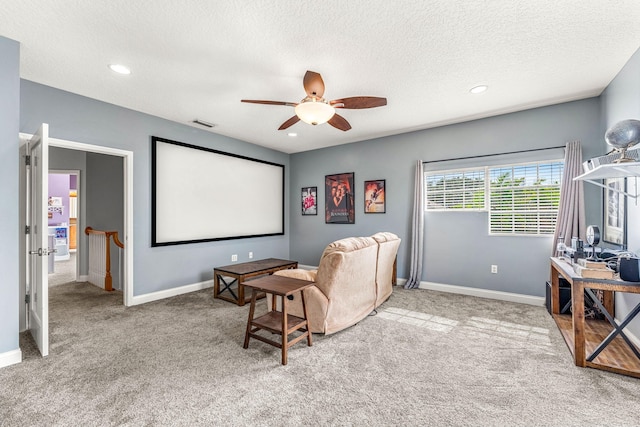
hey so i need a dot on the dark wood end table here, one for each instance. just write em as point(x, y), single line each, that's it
point(242, 272)
point(277, 322)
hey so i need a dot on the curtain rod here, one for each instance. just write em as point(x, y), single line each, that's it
point(491, 155)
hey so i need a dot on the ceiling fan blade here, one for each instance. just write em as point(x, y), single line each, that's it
point(313, 84)
point(258, 101)
point(292, 121)
point(358, 102)
point(339, 122)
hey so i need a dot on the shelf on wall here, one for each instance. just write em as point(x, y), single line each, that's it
point(612, 170)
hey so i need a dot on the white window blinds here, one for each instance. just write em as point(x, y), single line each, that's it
point(524, 198)
point(456, 190)
point(521, 199)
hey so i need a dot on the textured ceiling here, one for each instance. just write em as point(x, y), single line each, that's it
point(197, 59)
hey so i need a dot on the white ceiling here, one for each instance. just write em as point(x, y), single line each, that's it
point(197, 59)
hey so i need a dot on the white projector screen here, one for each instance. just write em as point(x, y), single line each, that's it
point(200, 195)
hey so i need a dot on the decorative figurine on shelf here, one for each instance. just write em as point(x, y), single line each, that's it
point(623, 135)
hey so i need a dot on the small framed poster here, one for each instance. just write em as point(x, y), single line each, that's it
point(55, 201)
point(374, 196)
point(309, 200)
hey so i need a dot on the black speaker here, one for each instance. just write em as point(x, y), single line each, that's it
point(565, 296)
point(629, 269)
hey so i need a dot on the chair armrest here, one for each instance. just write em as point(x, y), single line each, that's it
point(298, 273)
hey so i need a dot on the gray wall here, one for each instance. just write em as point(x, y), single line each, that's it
point(9, 208)
point(458, 249)
point(620, 101)
point(105, 201)
point(76, 118)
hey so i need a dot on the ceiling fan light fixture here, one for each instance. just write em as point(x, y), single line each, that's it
point(314, 109)
point(314, 112)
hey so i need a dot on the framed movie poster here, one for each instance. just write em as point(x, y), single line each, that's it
point(374, 196)
point(339, 197)
point(310, 201)
point(615, 211)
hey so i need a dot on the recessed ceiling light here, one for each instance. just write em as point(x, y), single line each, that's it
point(479, 89)
point(292, 134)
point(120, 69)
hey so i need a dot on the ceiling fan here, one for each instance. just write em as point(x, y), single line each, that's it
point(315, 110)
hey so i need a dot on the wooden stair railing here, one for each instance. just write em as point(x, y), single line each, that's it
point(98, 265)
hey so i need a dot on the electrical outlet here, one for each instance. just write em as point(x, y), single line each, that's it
point(234, 257)
point(250, 255)
point(494, 269)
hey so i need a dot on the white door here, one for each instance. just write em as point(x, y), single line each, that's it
point(38, 281)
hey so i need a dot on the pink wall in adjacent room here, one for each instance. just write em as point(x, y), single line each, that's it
point(59, 185)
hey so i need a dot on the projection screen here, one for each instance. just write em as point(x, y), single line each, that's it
point(200, 194)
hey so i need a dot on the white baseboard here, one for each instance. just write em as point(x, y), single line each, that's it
point(10, 358)
point(82, 278)
point(482, 293)
point(155, 296)
point(308, 267)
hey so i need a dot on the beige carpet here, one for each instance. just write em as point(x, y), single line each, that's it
point(426, 359)
point(64, 271)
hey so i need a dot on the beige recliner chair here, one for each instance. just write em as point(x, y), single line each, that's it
point(353, 278)
point(388, 244)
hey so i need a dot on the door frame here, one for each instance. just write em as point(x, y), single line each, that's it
point(127, 157)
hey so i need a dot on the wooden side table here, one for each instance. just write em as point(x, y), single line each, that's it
point(276, 322)
point(593, 343)
point(241, 272)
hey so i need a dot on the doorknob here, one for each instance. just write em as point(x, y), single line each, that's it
point(43, 252)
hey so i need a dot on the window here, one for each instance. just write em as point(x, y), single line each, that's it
point(521, 199)
point(524, 198)
point(456, 190)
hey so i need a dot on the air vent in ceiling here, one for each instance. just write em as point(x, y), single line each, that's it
point(203, 123)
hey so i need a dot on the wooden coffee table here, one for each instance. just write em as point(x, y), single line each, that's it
point(277, 322)
point(243, 271)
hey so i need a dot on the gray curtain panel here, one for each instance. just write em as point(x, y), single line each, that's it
point(571, 216)
point(417, 230)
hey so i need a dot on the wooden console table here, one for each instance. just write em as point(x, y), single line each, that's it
point(242, 272)
point(593, 343)
point(276, 322)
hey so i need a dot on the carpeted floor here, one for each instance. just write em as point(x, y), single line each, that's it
point(426, 359)
point(64, 271)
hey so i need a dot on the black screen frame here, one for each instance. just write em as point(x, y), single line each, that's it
point(209, 238)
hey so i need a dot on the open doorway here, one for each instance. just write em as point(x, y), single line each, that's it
point(124, 178)
point(104, 192)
